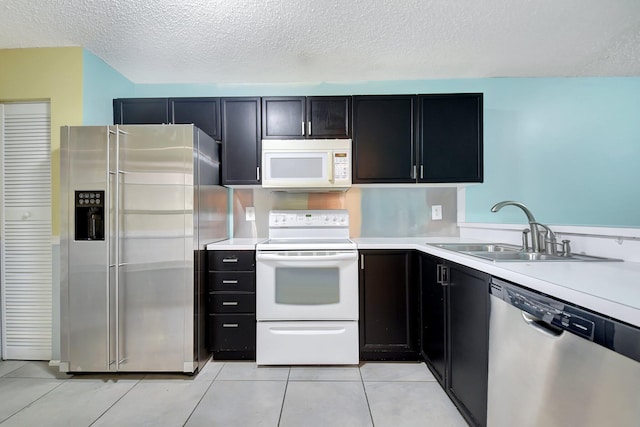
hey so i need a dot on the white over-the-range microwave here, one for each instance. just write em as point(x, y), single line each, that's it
point(306, 164)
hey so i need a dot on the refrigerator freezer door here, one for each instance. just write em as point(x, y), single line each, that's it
point(85, 304)
point(155, 236)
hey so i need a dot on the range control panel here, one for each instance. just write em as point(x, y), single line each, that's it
point(309, 218)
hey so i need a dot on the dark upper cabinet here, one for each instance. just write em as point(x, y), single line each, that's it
point(140, 111)
point(204, 113)
point(424, 138)
point(329, 117)
point(388, 306)
point(241, 148)
point(306, 117)
point(433, 312)
point(468, 349)
point(451, 138)
point(384, 134)
point(283, 117)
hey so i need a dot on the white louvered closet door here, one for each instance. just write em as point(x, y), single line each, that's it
point(26, 231)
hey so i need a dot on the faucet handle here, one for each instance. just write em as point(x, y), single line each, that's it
point(566, 248)
point(525, 239)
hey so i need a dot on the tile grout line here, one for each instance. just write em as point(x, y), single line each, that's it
point(284, 396)
point(366, 397)
point(205, 392)
point(34, 401)
point(114, 403)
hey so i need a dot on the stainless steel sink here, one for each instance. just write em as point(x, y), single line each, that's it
point(478, 247)
point(500, 252)
point(532, 256)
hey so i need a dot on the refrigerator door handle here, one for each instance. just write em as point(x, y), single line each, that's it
point(116, 235)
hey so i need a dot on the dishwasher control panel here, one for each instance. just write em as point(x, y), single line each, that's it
point(547, 310)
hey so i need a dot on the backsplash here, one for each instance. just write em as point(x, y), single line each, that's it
point(374, 212)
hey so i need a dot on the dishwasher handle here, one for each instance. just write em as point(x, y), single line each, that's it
point(541, 326)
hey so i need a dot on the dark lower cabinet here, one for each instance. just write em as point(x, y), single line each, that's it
point(433, 313)
point(389, 307)
point(231, 284)
point(455, 333)
point(468, 319)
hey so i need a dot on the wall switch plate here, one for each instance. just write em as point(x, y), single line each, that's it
point(250, 214)
point(436, 212)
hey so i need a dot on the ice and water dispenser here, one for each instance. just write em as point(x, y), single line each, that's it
point(89, 215)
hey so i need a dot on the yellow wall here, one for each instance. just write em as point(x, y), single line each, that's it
point(51, 74)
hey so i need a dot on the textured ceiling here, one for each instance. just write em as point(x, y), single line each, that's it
point(288, 41)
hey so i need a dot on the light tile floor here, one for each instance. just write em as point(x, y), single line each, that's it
point(227, 394)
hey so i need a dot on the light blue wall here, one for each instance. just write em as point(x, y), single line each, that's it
point(100, 85)
point(569, 148)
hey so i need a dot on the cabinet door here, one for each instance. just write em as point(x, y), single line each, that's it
point(384, 139)
point(204, 113)
point(140, 111)
point(468, 294)
point(241, 150)
point(451, 138)
point(388, 307)
point(329, 117)
point(433, 317)
point(283, 117)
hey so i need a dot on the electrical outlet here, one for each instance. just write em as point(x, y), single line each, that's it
point(436, 212)
point(250, 214)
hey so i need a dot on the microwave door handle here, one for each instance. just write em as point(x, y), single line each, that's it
point(331, 167)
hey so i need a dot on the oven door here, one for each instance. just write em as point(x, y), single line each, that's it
point(307, 285)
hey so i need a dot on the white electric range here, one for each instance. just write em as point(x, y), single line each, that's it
point(307, 290)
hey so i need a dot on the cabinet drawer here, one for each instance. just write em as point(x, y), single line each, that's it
point(232, 281)
point(232, 303)
point(232, 332)
point(232, 260)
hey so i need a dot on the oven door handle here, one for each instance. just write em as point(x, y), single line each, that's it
point(318, 256)
point(308, 330)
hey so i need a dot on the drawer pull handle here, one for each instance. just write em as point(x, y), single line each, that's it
point(229, 259)
point(229, 325)
point(229, 282)
point(229, 302)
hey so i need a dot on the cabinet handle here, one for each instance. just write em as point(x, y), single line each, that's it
point(442, 274)
point(230, 260)
point(413, 174)
point(229, 282)
point(303, 128)
point(229, 302)
point(258, 173)
point(229, 325)
point(421, 172)
point(309, 128)
point(361, 261)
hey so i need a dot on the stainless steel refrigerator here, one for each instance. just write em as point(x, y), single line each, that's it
point(138, 205)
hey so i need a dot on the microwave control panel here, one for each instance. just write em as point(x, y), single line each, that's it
point(341, 163)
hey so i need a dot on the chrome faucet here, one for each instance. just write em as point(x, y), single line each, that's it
point(549, 239)
point(533, 224)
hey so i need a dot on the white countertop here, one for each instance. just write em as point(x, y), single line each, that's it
point(609, 288)
point(241, 244)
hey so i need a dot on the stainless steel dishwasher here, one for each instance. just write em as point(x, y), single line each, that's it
point(555, 364)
